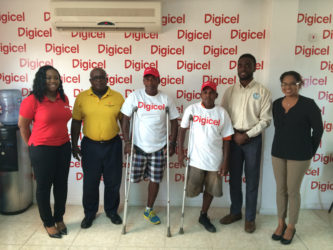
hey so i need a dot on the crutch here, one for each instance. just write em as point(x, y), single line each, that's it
point(125, 177)
point(181, 230)
point(128, 185)
point(168, 174)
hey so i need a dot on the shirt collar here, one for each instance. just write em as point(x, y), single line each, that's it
point(48, 100)
point(250, 85)
point(108, 92)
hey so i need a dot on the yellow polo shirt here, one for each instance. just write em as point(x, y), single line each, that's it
point(99, 116)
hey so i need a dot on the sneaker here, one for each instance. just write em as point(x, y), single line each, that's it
point(205, 221)
point(149, 214)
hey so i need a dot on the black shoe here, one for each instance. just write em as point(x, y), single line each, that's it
point(204, 220)
point(87, 222)
point(115, 218)
point(287, 242)
point(279, 237)
point(62, 231)
point(55, 235)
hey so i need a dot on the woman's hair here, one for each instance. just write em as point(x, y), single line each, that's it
point(39, 85)
point(294, 74)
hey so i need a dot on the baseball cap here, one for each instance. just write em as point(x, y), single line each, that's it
point(208, 84)
point(151, 71)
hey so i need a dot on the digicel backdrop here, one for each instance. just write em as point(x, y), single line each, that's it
point(199, 42)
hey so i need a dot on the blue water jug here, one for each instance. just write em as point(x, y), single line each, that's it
point(10, 101)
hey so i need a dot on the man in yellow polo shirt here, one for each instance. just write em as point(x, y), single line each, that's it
point(101, 147)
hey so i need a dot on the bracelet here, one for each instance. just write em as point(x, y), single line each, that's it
point(173, 143)
point(127, 142)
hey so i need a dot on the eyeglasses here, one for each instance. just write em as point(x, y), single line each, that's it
point(94, 78)
point(293, 84)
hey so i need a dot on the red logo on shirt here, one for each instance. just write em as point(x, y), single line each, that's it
point(149, 107)
point(206, 120)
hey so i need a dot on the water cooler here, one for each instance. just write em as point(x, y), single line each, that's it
point(15, 167)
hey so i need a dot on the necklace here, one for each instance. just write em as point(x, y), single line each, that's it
point(290, 104)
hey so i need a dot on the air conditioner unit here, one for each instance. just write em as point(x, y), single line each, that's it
point(106, 16)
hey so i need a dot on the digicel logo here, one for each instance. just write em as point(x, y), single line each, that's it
point(311, 19)
point(247, 35)
point(33, 33)
point(323, 187)
point(88, 35)
point(165, 51)
point(137, 36)
point(114, 50)
point(112, 80)
point(194, 35)
point(325, 95)
point(86, 65)
point(9, 17)
point(219, 51)
point(173, 19)
point(149, 107)
point(60, 49)
point(47, 16)
point(327, 34)
point(169, 80)
point(11, 48)
point(219, 79)
point(139, 65)
point(9, 78)
point(326, 65)
point(309, 51)
point(206, 120)
point(34, 64)
point(222, 19)
point(190, 66)
point(259, 65)
point(189, 96)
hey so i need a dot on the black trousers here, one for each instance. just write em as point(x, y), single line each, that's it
point(101, 158)
point(250, 154)
point(51, 167)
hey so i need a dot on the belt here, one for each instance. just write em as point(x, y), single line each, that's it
point(240, 131)
point(101, 142)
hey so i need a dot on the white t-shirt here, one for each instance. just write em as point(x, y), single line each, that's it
point(150, 122)
point(209, 128)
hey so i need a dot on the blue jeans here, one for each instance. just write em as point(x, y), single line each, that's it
point(250, 154)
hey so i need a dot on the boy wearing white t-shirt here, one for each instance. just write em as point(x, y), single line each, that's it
point(150, 135)
point(209, 150)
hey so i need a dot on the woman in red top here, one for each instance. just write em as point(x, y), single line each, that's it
point(47, 107)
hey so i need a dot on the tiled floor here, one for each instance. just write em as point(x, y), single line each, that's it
point(25, 231)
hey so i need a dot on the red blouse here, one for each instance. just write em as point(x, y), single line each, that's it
point(49, 120)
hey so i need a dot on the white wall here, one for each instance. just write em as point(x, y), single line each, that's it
point(275, 54)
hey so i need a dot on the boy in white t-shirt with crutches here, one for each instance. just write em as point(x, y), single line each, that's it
point(209, 150)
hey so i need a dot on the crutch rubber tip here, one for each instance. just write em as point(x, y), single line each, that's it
point(124, 230)
point(181, 231)
point(169, 233)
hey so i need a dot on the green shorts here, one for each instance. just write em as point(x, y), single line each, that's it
point(198, 179)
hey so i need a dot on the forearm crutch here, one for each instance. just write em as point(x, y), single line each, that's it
point(128, 173)
point(181, 230)
point(168, 174)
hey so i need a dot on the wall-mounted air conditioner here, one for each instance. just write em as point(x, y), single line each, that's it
point(106, 16)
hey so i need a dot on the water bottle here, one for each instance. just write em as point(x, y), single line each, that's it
point(10, 101)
